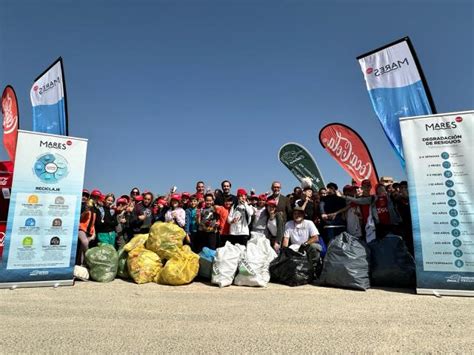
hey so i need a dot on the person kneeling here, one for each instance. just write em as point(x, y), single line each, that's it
point(303, 236)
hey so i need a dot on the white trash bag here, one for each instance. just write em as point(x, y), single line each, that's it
point(226, 264)
point(255, 263)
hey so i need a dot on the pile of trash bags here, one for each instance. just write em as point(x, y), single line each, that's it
point(244, 266)
point(161, 257)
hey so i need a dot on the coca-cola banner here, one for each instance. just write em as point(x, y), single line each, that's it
point(10, 121)
point(301, 163)
point(350, 151)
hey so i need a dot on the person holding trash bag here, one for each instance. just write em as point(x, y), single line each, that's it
point(303, 233)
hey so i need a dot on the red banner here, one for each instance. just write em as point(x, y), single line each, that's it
point(350, 151)
point(10, 121)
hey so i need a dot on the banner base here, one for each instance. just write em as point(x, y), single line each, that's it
point(52, 283)
point(435, 292)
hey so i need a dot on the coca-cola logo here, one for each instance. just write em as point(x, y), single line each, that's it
point(341, 147)
point(3, 181)
point(2, 238)
point(10, 120)
point(458, 119)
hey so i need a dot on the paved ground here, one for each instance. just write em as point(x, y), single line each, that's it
point(124, 317)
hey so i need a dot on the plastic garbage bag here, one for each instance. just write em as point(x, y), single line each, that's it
point(143, 265)
point(122, 270)
point(346, 264)
point(226, 264)
point(181, 269)
point(206, 258)
point(391, 264)
point(291, 268)
point(137, 241)
point(166, 239)
point(255, 263)
point(102, 262)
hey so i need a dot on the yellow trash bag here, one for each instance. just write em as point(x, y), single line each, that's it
point(137, 241)
point(165, 239)
point(181, 269)
point(143, 265)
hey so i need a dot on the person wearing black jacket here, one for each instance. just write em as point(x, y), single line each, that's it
point(329, 204)
point(142, 216)
point(106, 220)
point(221, 198)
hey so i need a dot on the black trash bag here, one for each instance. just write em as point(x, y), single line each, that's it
point(291, 268)
point(391, 264)
point(346, 264)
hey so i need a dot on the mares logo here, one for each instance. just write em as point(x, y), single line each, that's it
point(54, 145)
point(341, 148)
point(443, 125)
point(47, 86)
point(387, 68)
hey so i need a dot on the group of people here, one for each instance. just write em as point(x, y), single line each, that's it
point(305, 220)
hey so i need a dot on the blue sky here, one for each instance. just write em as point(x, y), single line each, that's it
point(171, 92)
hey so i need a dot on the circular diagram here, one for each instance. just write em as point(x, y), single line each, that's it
point(50, 168)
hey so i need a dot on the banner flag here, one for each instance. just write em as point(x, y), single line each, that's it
point(10, 121)
point(301, 163)
point(48, 97)
point(397, 87)
point(438, 151)
point(45, 204)
point(350, 151)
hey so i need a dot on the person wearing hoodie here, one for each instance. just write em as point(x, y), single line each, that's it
point(191, 225)
point(240, 218)
point(260, 216)
point(142, 217)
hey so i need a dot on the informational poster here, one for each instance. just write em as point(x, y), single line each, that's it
point(41, 237)
point(439, 161)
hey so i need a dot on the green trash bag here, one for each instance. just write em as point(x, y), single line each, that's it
point(122, 270)
point(102, 262)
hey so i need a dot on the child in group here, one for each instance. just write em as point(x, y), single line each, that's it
point(224, 226)
point(191, 225)
point(175, 214)
point(123, 221)
point(106, 222)
point(208, 224)
point(240, 219)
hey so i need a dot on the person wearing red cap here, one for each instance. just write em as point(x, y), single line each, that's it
point(160, 207)
point(123, 222)
point(185, 196)
point(240, 218)
point(175, 214)
point(260, 217)
point(107, 221)
point(142, 217)
point(224, 225)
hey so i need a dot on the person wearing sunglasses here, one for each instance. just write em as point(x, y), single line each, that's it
point(134, 193)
